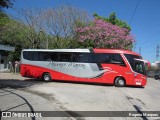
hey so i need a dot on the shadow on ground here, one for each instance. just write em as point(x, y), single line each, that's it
point(8, 88)
point(14, 83)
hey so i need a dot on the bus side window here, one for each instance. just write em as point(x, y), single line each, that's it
point(117, 59)
point(66, 57)
point(82, 57)
point(108, 58)
point(102, 58)
point(44, 56)
point(76, 57)
point(54, 56)
point(28, 55)
point(47, 56)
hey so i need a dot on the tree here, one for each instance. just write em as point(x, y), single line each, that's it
point(5, 4)
point(51, 28)
point(31, 23)
point(4, 19)
point(41, 28)
point(14, 37)
point(17, 34)
point(61, 22)
point(103, 34)
point(114, 20)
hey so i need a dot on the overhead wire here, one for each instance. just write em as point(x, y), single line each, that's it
point(134, 12)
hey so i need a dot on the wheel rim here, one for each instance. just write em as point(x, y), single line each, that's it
point(121, 82)
point(46, 77)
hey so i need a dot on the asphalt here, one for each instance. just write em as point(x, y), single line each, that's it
point(14, 97)
point(69, 96)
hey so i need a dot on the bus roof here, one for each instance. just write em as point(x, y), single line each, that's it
point(58, 50)
point(115, 51)
point(86, 50)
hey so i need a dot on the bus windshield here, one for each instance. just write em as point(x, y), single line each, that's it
point(136, 65)
point(139, 67)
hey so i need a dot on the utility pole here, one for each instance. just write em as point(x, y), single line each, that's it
point(157, 52)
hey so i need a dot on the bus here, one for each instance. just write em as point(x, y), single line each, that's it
point(109, 66)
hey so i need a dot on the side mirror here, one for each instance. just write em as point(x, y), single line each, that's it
point(147, 65)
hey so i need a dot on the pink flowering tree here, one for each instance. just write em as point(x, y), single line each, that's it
point(102, 34)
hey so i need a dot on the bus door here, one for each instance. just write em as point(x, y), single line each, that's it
point(137, 74)
point(140, 72)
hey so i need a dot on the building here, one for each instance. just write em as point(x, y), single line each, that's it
point(4, 59)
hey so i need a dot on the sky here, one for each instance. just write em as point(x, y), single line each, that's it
point(144, 19)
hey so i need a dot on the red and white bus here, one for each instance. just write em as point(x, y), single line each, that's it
point(118, 67)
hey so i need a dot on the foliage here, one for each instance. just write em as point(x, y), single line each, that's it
point(114, 20)
point(104, 35)
point(18, 35)
point(40, 28)
point(62, 27)
point(3, 19)
point(5, 4)
point(60, 23)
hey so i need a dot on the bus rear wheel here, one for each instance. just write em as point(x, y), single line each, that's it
point(47, 77)
point(120, 82)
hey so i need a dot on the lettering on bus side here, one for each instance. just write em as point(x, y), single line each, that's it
point(76, 65)
point(55, 64)
point(69, 64)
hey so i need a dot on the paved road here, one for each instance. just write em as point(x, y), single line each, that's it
point(88, 97)
point(14, 97)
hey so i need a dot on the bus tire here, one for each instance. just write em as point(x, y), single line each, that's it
point(120, 82)
point(47, 77)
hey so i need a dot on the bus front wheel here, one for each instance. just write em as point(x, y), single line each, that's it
point(47, 77)
point(120, 82)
